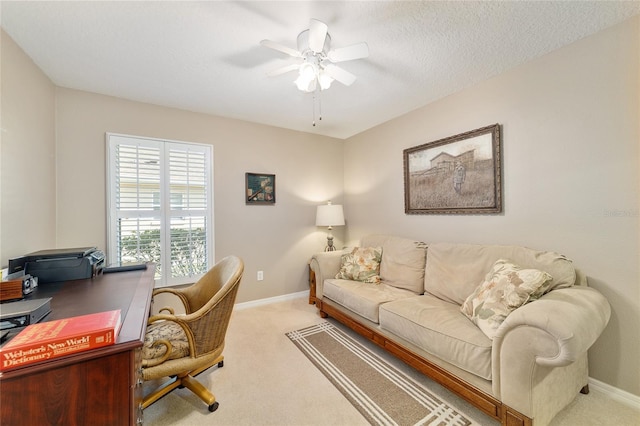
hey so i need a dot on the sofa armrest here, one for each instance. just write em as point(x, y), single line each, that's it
point(551, 333)
point(326, 265)
point(573, 318)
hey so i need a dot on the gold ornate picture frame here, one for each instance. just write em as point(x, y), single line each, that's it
point(460, 174)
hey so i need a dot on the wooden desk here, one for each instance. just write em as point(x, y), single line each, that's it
point(98, 387)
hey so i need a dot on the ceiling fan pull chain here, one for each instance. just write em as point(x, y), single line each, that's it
point(314, 109)
point(319, 105)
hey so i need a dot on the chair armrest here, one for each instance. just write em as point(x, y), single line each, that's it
point(174, 292)
point(147, 363)
point(181, 319)
point(326, 265)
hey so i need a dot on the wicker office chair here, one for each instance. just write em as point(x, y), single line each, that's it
point(183, 346)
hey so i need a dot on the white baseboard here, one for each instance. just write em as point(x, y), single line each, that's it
point(269, 300)
point(614, 393)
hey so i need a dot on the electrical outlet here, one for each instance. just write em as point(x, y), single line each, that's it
point(260, 276)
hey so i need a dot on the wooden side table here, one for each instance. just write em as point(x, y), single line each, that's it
point(312, 286)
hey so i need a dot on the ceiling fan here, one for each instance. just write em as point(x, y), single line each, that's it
point(315, 60)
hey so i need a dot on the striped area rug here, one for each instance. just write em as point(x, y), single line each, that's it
point(383, 394)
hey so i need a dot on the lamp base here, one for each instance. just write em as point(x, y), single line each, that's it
point(330, 246)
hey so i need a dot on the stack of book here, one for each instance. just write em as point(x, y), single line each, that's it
point(52, 339)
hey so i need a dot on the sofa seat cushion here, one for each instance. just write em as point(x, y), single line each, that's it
point(441, 329)
point(363, 298)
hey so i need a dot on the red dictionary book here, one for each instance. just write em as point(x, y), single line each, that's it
point(52, 339)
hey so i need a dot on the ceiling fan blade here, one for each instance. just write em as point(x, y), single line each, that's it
point(349, 53)
point(317, 35)
point(280, 48)
point(283, 70)
point(337, 73)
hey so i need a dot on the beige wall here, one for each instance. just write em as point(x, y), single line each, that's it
point(27, 155)
point(277, 239)
point(571, 139)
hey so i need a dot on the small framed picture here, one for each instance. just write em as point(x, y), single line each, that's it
point(260, 188)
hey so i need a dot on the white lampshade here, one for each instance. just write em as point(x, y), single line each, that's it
point(330, 215)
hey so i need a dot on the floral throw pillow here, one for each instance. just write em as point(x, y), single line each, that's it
point(505, 288)
point(362, 264)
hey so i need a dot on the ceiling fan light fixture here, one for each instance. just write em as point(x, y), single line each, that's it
point(305, 86)
point(314, 48)
point(306, 80)
point(310, 76)
point(325, 80)
point(317, 69)
point(308, 71)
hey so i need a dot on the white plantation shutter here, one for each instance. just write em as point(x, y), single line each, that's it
point(160, 206)
point(188, 210)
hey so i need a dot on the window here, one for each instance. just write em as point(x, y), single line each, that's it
point(160, 206)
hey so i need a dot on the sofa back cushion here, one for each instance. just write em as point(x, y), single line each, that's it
point(403, 261)
point(454, 271)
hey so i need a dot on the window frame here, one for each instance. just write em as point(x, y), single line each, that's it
point(165, 212)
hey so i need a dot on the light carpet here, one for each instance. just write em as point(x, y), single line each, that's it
point(267, 381)
point(383, 394)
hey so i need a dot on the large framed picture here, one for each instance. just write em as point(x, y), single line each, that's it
point(460, 174)
point(260, 188)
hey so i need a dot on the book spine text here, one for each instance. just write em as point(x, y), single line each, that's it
point(38, 352)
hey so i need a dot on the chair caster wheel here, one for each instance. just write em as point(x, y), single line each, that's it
point(221, 364)
point(213, 407)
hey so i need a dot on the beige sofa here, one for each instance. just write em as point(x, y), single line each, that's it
point(530, 366)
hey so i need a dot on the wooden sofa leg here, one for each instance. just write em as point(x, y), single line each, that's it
point(585, 390)
point(322, 313)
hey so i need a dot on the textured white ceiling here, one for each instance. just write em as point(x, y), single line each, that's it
point(206, 57)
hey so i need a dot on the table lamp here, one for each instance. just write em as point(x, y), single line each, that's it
point(330, 215)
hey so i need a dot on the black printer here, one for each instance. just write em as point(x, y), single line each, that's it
point(60, 264)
